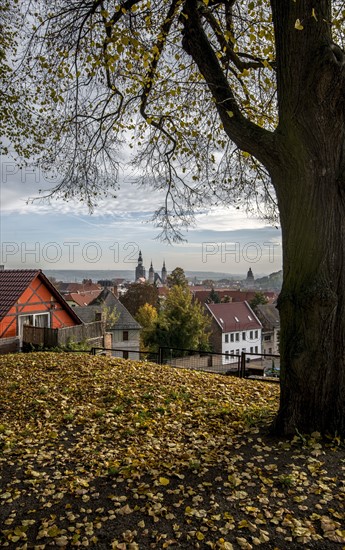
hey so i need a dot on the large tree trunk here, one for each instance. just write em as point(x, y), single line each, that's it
point(312, 307)
point(310, 185)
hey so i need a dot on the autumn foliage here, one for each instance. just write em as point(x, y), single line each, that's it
point(109, 453)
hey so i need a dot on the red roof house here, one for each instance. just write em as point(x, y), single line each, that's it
point(235, 329)
point(27, 297)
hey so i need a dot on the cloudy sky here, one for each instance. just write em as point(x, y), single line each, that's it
point(65, 236)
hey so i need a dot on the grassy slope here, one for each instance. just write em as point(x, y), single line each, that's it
point(120, 454)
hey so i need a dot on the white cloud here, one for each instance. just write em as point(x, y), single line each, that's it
point(125, 220)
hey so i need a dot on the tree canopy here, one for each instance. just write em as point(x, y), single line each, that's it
point(177, 278)
point(259, 299)
point(147, 317)
point(139, 294)
point(182, 322)
point(220, 101)
point(103, 72)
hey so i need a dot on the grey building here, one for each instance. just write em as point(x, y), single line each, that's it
point(124, 329)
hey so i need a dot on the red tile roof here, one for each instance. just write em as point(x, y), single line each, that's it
point(234, 295)
point(13, 282)
point(79, 287)
point(82, 298)
point(234, 316)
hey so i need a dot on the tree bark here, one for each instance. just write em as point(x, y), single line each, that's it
point(312, 309)
point(310, 186)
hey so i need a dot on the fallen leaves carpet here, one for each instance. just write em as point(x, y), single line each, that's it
point(115, 454)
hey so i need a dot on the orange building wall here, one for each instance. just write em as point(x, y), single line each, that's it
point(35, 299)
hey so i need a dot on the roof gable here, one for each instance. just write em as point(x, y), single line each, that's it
point(268, 315)
point(106, 298)
point(234, 316)
point(14, 282)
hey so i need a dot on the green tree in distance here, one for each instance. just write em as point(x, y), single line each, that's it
point(220, 100)
point(177, 278)
point(259, 299)
point(110, 316)
point(139, 294)
point(213, 297)
point(147, 317)
point(182, 323)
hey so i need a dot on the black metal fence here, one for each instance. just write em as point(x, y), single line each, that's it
point(246, 365)
point(207, 361)
point(127, 353)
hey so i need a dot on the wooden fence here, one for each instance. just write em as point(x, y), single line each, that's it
point(9, 345)
point(60, 337)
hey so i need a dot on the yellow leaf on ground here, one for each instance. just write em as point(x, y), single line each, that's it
point(164, 481)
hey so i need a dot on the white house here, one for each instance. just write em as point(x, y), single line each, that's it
point(235, 328)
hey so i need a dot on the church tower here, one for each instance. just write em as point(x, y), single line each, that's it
point(250, 278)
point(164, 274)
point(140, 271)
point(151, 274)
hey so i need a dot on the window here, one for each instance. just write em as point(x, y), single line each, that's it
point(41, 320)
point(256, 334)
point(278, 335)
point(237, 336)
point(125, 336)
point(256, 349)
point(251, 349)
point(243, 335)
point(227, 358)
point(267, 338)
point(226, 338)
point(125, 355)
point(269, 350)
point(231, 337)
point(35, 320)
point(251, 335)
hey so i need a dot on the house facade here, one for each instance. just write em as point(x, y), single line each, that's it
point(27, 297)
point(235, 329)
point(270, 320)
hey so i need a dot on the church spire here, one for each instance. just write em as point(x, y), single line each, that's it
point(151, 274)
point(140, 272)
point(164, 273)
